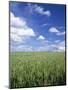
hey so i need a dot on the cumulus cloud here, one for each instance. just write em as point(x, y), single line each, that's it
point(60, 46)
point(60, 33)
point(16, 21)
point(41, 37)
point(24, 48)
point(15, 37)
point(56, 41)
point(45, 24)
point(19, 28)
point(22, 31)
point(55, 30)
point(57, 46)
point(38, 9)
point(41, 10)
point(30, 8)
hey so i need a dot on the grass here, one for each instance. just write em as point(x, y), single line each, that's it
point(31, 69)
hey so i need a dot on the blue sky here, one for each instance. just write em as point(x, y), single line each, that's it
point(37, 27)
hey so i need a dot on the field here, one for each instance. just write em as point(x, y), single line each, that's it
point(31, 69)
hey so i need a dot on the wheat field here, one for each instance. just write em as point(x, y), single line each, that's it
point(33, 69)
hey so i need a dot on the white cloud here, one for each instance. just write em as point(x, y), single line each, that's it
point(48, 13)
point(41, 11)
point(60, 33)
point(53, 30)
point(41, 37)
point(19, 29)
point(15, 37)
point(30, 8)
point(52, 46)
point(62, 43)
point(57, 41)
point(45, 24)
point(16, 21)
point(60, 46)
point(24, 48)
point(22, 31)
point(43, 48)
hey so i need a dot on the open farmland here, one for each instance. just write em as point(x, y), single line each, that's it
point(30, 69)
